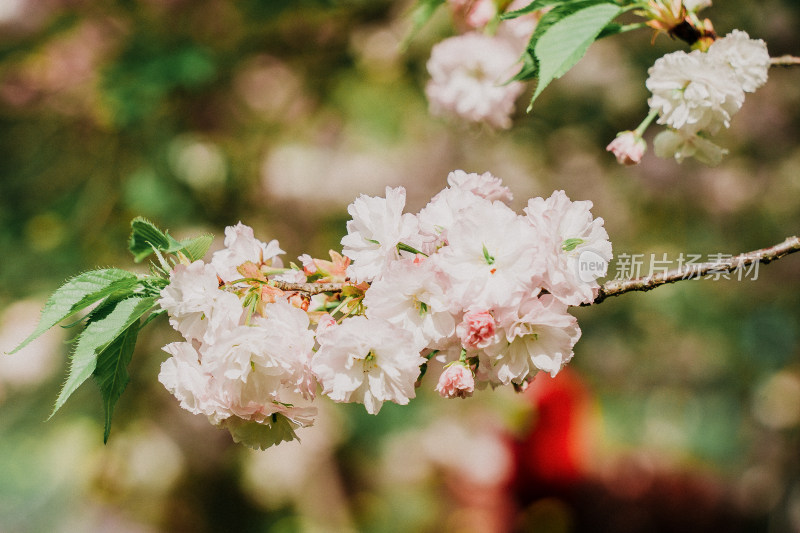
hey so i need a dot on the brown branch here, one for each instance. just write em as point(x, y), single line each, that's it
point(616, 287)
point(645, 283)
point(784, 61)
point(310, 288)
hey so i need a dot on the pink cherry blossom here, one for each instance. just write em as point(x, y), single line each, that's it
point(377, 227)
point(539, 335)
point(569, 235)
point(367, 361)
point(197, 307)
point(476, 330)
point(456, 381)
point(242, 246)
point(413, 295)
point(628, 148)
point(484, 185)
point(469, 75)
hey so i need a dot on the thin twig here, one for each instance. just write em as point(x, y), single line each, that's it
point(310, 288)
point(645, 283)
point(616, 287)
point(784, 61)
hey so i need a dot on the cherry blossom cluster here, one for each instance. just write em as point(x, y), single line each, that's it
point(470, 72)
point(695, 94)
point(467, 286)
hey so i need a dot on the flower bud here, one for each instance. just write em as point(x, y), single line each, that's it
point(456, 381)
point(628, 148)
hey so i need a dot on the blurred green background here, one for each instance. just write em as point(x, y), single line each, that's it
point(679, 412)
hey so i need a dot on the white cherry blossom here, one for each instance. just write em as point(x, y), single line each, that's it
point(377, 227)
point(748, 58)
point(367, 361)
point(694, 92)
point(569, 235)
point(468, 79)
point(242, 246)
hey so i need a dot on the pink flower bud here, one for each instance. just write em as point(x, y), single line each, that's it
point(628, 148)
point(456, 381)
point(476, 329)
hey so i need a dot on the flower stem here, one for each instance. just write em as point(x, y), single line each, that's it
point(639, 131)
point(784, 61)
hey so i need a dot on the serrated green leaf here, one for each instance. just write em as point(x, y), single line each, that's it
point(111, 371)
point(173, 246)
point(529, 67)
point(561, 10)
point(566, 42)
point(196, 248)
point(144, 237)
point(613, 28)
point(536, 5)
point(102, 330)
point(79, 293)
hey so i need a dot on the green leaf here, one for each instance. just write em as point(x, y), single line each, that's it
point(79, 293)
point(613, 28)
point(111, 372)
point(570, 244)
point(566, 42)
point(103, 329)
point(536, 5)
point(529, 67)
point(562, 10)
point(401, 246)
point(489, 259)
point(420, 15)
point(144, 237)
point(197, 247)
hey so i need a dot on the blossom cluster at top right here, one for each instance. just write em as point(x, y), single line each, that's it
point(697, 93)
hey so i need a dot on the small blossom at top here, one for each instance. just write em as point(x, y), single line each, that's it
point(518, 31)
point(468, 79)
